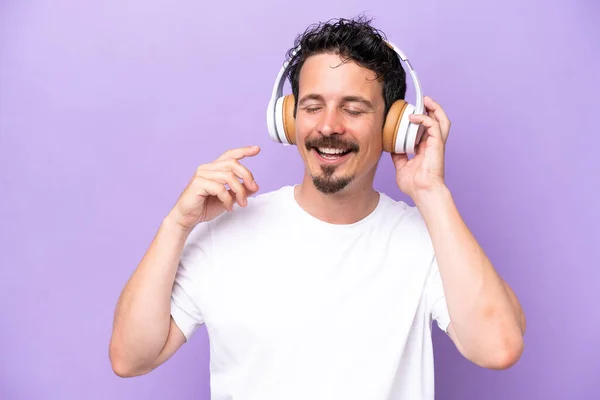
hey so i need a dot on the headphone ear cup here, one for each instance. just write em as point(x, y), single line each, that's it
point(393, 138)
point(284, 120)
point(289, 122)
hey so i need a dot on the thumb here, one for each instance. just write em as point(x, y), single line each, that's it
point(399, 160)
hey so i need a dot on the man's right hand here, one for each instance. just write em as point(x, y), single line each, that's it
point(215, 187)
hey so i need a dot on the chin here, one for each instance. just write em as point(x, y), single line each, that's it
point(330, 186)
point(331, 173)
point(330, 180)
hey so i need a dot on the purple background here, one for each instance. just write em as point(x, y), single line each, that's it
point(107, 108)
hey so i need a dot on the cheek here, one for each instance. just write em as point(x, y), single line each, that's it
point(377, 140)
point(303, 129)
point(373, 143)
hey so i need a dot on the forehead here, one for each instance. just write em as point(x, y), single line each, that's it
point(330, 74)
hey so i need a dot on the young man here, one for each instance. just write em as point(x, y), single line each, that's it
point(326, 289)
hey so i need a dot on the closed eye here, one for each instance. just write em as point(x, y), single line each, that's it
point(314, 109)
point(354, 112)
point(311, 110)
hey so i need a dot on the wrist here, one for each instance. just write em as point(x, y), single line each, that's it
point(432, 198)
point(172, 224)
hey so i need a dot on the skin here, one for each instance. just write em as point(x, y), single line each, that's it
point(339, 103)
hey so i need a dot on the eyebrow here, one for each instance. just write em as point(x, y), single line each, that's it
point(345, 99)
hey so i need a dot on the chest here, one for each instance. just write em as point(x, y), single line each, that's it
point(283, 284)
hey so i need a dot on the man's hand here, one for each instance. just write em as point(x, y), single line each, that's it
point(425, 171)
point(215, 187)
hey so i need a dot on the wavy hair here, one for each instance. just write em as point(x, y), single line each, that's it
point(354, 40)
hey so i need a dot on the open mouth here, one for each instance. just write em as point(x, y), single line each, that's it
point(332, 154)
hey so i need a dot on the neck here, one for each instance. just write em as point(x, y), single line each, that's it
point(348, 206)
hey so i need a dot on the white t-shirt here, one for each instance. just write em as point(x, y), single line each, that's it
point(296, 308)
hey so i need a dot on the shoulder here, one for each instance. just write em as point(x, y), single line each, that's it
point(258, 211)
point(405, 222)
point(408, 236)
point(276, 196)
point(400, 213)
point(261, 204)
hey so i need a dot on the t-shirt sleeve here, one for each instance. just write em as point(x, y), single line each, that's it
point(195, 258)
point(436, 299)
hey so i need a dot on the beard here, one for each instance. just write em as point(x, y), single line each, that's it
point(326, 182)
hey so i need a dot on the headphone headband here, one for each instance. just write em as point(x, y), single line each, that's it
point(413, 75)
point(280, 80)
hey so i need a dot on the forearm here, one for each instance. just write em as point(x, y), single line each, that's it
point(485, 314)
point(142, 316)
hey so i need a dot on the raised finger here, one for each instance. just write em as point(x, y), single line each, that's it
point(239, 153)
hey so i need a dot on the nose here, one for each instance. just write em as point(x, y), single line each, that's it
point(331, 122)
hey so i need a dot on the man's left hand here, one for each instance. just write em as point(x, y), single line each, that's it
point(425, 171)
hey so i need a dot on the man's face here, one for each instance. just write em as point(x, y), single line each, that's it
point(339, 121)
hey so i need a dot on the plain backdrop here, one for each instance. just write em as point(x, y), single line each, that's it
point(107, 108)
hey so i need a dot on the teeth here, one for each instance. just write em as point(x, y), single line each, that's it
point(331, 151)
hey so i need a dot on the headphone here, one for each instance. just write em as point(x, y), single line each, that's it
point(399, 134)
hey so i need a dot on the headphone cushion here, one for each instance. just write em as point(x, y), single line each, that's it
point(289, 122)
point(279, 126)
point(391, 134)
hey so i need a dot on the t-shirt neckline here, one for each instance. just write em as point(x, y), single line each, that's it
point(291, 198)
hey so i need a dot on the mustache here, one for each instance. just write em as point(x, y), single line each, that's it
point(332, 142)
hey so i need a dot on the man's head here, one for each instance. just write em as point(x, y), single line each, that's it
point(344, 80)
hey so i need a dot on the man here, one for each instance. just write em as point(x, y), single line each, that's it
point(326, 289)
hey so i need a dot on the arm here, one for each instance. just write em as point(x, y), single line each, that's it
point(488, 323)
point(144, 334)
